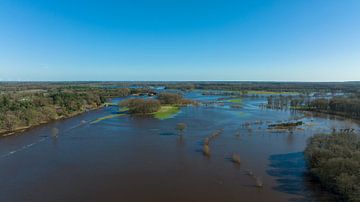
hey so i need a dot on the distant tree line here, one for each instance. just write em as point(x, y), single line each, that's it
point(302, 87)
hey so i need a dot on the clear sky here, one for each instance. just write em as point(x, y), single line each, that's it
point(278, 40)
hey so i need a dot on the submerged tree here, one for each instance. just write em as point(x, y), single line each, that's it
point(206, 150)
point(181, 127)
point(235, 158)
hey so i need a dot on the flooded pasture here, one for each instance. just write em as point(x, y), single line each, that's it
point(131, 158)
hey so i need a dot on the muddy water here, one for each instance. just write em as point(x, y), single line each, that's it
point(144, 159)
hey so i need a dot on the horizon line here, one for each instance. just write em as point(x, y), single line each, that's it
point(260, 81)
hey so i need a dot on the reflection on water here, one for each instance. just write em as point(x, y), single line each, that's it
point(292, 177)
point(127, 158)
point(54, 135)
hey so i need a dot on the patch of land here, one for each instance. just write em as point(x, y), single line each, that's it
point(288, 125)
point(235, 100)
point(166, 112)
point(106, 117)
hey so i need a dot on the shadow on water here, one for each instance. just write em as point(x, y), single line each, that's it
point(290, 173)
point(168, 134)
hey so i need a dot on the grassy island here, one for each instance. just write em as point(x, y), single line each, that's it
point(235, 100)
point(164, 106)
point(166, 112)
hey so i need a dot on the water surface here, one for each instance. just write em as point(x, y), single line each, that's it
point(131, 158)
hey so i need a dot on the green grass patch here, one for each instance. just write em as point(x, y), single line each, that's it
point(166, 112)
point(106, 117)
point(235, 100)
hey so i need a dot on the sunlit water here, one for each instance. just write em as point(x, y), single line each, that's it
point(144, 159)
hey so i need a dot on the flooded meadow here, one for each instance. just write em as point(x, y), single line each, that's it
point(226, 152)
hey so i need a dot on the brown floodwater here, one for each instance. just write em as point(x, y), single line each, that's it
point(130, 158)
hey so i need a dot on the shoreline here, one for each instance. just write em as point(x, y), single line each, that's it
point(334, 115)
point(18, 130)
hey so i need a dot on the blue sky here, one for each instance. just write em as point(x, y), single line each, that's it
point(279, 40)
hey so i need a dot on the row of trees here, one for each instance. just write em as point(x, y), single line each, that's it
point(348, 106)
point(344, 106)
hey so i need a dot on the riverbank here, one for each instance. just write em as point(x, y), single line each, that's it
point(4, 133)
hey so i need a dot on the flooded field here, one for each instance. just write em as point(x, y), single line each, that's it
point(130, 158)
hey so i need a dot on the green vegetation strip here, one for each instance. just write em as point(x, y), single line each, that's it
point(106, 117)
point(166, 112)
point(123, 109)
point(235, 100)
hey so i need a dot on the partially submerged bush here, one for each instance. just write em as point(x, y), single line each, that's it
point(258, 182)
point(141, 106)
point(206, 141)
point(335, 160)
point(180, 127)
point(206, 150)
point(235, 158)
point(216, 134)
point(54, 132)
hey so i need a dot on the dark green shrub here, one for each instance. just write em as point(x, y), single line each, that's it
point(141, 106)
point(335, 160)
point(170, 98)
